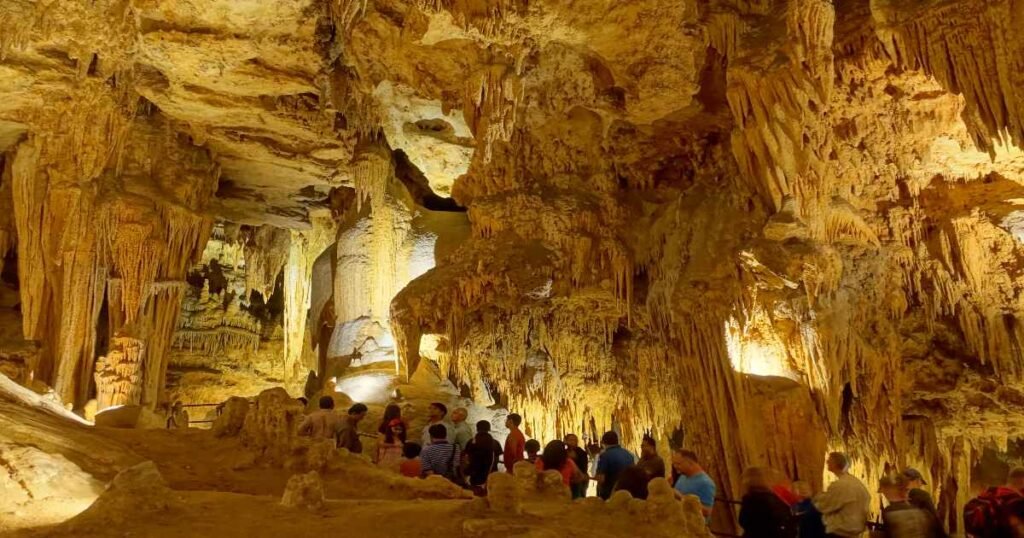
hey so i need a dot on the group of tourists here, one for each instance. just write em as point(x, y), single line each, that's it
point(771, 506)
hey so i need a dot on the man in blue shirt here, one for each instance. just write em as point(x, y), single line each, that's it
point(693, 480)
point(612, 462)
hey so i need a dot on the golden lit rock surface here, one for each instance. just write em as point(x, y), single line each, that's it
point(767, 228)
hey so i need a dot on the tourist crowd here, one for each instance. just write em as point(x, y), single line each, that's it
point(771, 507)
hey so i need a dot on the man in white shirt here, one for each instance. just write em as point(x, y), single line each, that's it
point(437, 413)
point(844, 505)
point(463, 433)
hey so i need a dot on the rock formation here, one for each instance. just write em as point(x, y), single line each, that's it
point(769, 228)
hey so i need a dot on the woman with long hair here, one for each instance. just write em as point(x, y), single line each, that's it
point(389, 449)
point(556, 458)
point(391, 412)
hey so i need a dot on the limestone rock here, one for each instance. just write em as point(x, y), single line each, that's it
point(130, 416)
point(136, 492)
point(270, 426)
point(232, 417)
point(304, 491)
point(504, 494)
point(31, 475)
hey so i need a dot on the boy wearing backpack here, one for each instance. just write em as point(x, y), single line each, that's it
point(988, 514)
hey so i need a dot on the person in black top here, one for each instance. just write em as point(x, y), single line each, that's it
point(482, 453)
point(582, 461)
point(634, 479)
point(901, 518)
point(763, 514)
point(917, 495)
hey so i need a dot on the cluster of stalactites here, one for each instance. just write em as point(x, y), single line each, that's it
point(74, 244)
point(119, 373)
point(266, 251)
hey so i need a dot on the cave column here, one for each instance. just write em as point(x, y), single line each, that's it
point(60, 246)
point(305, 247)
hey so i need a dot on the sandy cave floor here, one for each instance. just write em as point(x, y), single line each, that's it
point(214, 500)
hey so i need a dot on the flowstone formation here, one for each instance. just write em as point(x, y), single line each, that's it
point(769, 228)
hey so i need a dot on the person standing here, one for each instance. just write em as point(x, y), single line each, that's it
point(556, 458)
point(440, 457)
point(348, 435)
point(482, 454)
point(844, 505)
point(411, 466)
point(809, 523)
point(532, 450)
point(762, 513)
point(901, 518)
point(634, 480)
point(989, 514)
point(463, 433)
point(694, 481)
point(323, 423)
point(436, 414)
point(917, 495)
point(391, 412)
point(614, 459)
point(579, 457)
point(389, 449)
point(515, 443)
point(650, 461)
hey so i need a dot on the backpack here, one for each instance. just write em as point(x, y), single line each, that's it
point(454, 474)
point(987, 515)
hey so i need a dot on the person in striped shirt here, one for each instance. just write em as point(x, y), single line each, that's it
point(439, 457)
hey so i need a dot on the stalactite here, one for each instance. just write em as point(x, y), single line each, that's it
point(492, 102)
point(266, 250)
point(119, 373)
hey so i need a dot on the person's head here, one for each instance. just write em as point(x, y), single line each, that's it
point(648, 447)
point(837, 463)
point(610, 439)
point(513, 421)
point(572, 441)
point(459, 415)
point(438, 432)
point(483, 426)
point(395, 431)
point(357, 412)
point(802, 490)
point(532, 447)
point(411, 450)
point(391, 412)
point(894, 487)
point(302, 400)
point(914, 478)
point(555, 455)
point(685, 462)
point(326, 402)
point(437, 411)
point(755, 478)
point(634, 480)
point(1016, 479)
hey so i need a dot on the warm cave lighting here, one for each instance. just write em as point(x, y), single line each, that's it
point(371, 387)
point(751, 352)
